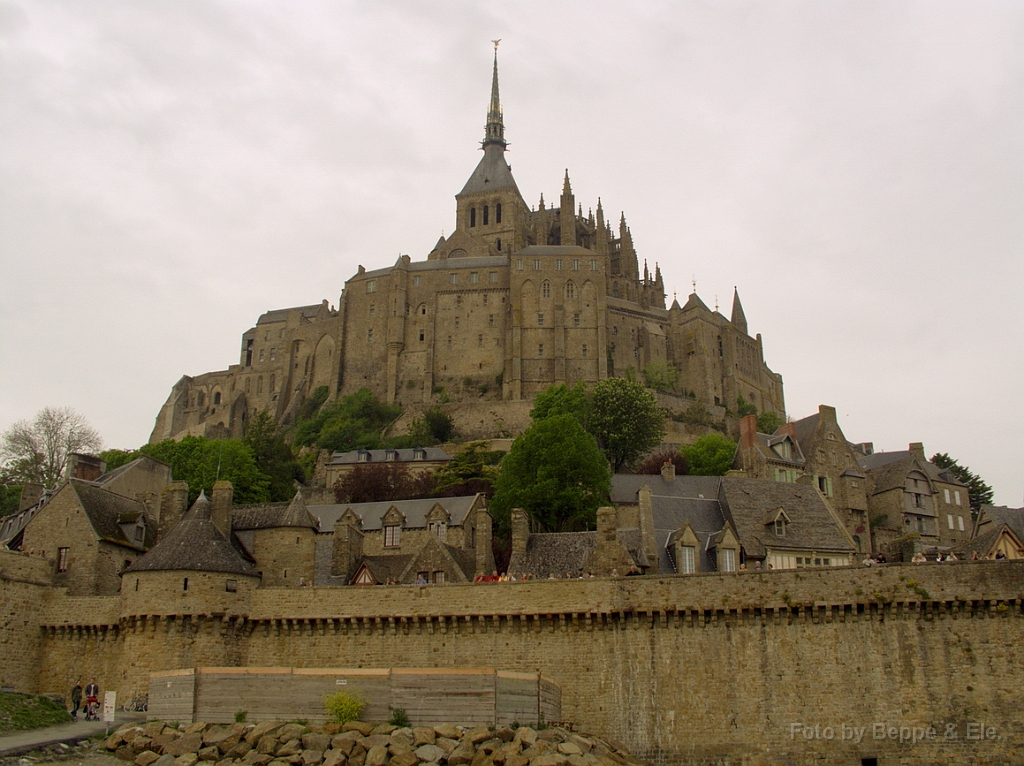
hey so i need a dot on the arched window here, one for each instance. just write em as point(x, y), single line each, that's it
point(472, 217)
point(499, 243)
point(497, 214)
point(486, 211)
point(216, 397)
point(570, 290)
point(545, 289)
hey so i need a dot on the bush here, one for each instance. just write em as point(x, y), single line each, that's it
point(241, 715)
point(399, 718)
point(344, 706)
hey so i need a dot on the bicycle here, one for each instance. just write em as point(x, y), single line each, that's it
point(137, 704)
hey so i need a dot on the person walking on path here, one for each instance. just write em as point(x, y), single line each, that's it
point(76, 699)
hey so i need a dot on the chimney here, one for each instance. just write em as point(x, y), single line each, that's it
point(917, 450)
point(173, 503)
point(668, 471)
point(347, 549)
point(788, 429)
point(645, 520)
point(748, 431)
point(220, 507)
point(85, 467)
point(520, 531)
point(484, 552)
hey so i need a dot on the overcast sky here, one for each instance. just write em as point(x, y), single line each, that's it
point(171, 170)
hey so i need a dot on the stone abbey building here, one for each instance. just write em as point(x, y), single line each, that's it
point(517, 298)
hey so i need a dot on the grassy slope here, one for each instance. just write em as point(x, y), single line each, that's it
point(27, 711)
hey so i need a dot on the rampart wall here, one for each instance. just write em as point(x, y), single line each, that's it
point(695, 669)
point(24, 581)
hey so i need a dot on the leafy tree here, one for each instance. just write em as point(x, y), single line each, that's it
point(651, 466)
point(744, 408)
point(312, 404)
point(625, 420)
point(710, 455)
point(661, 375)
point(561, 400)
point(37, 450)
point(273, 455)
point(115, 458)
point(978, 491)
point(556, 473)
point(10, 497)
point(353, 422)
point(473, 469)
point(201, 462)
point(375, 482)
point(434, 427)
point(769, 422)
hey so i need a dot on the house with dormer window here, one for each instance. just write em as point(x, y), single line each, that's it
point(417, 459)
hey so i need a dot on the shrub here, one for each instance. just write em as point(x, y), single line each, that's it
point(399, 718)
point(241, 715)
point(344, 706)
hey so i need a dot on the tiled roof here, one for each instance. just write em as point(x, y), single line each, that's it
point(415, 511)
point(194, 544)
point(273, 515)
point(431, 454)
point(105, 511)
point(811, 527)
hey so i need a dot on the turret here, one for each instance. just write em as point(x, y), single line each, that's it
point(567, 213)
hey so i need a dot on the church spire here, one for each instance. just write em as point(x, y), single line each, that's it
point(494, 133)
point(739, 319)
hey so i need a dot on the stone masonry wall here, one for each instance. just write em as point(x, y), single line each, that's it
point(690, 669)
point(23, 582)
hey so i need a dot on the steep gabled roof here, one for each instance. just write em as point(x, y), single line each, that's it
point(415, 511)
point(194, 544)
point(811, 525)
point(996, 515)
point(106, 512)
point(274, 515)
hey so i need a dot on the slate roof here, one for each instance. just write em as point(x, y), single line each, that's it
point(106, 512)
point(694, 302)
point(491, 173)
point(280, 315)
point(384, 568)
point(560, 553)
point(294, 513)
point(194, 544)
point(415, 511)
point(805, 427)
point(997, 515)
point(404, 455)
point(811, 527)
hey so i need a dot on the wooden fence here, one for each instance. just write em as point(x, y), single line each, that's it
point(429, 696)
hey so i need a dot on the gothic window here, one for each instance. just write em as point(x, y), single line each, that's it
point(472, 217)
point(486, 211)
point(497, 214)
point(570, 290)
point(216, 397)
point(545, 289)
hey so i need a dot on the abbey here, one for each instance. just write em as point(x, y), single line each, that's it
point(516, 299)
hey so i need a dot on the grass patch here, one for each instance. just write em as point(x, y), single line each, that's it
point(20, 712)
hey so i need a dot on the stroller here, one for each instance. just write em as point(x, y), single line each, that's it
point(92, 708)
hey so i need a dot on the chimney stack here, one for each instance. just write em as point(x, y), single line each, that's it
point(668, 471)
point(220, 507)
point(917, 450)
point(173, 503)
point(748, 431)
point(520, 531)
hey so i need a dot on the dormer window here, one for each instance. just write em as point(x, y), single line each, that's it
point(419, 453)
point(780, 527)
point(363, 456)
point(391, 454)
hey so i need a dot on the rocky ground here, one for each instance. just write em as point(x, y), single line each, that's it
point(83, 753)
point(354, 744)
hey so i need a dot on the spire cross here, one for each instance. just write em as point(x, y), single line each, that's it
point(496, 45)
point(694, 282)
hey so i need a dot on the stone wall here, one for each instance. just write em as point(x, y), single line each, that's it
point(24, 581)
point(694, 669)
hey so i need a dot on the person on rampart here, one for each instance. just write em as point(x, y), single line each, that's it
point(918, 558)
point(76, 699)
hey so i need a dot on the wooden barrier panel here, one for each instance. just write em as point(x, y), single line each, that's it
point(429, 696)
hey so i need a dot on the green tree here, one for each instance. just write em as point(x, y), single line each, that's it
point(769, 422)
point(744, 408)
point(562, 400)
point(625, 420)
point(436, 426)
point(201, 462)
point(710, 455)
point(353, 422)
point(661, 375)
point(473, 469)
point(115, 458)
point(376, 482)
point(37, 450)
point(273, 455)
point(556, 473)
point(10, 497)
point(978, 491)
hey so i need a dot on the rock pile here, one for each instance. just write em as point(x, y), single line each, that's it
point(359, 744)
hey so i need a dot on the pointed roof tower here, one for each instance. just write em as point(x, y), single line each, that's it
point(493, 172)
point(738, 319)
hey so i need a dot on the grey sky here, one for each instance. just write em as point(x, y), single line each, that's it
point(170, 170)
